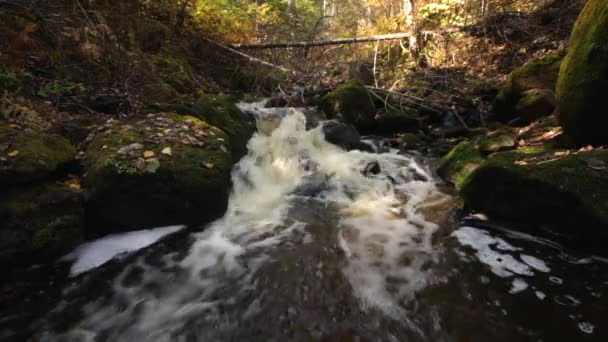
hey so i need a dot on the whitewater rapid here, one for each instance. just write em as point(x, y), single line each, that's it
point(384, 239)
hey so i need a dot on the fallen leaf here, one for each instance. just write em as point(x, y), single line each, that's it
point(167, 151)
point(148, 154)
point(185, 141)
point(74, 185)
point(209, 165)
point(223, 148)
point(13, 153)
point(152, 165)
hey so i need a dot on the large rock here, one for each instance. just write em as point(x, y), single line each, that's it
point(40, 221)
point(583, 78)
point(351, 103)
point(343, 135)
point(28, 155)
point(158, 170)
point(534, 104)
point(541, 73)
point(221, 112)
point(536, 185)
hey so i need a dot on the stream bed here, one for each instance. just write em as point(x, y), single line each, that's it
point(323, 244)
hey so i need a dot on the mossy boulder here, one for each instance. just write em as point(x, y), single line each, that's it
point(460, 162)
point(40, 221)
point(221, 112)
point(540, 73)
point(28, 155)
point(534, 104)
point(583, 78)
point(157, 170)
point(535, 185)
point(351, 103)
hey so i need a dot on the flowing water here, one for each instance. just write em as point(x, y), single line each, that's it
point(323, 244)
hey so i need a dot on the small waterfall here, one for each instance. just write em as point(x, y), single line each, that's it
point(379, 239)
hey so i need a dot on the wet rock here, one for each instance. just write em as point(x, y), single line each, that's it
point(583, 79)
point(129, 189)
point(28, 155)
point(340, 134)
point(312, 185)
point(350, 103)
point(373, 168)
point(39, 222)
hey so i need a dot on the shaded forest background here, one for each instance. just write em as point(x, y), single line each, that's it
point(126, 54)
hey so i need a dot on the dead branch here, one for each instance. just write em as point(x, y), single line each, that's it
point(250, 58)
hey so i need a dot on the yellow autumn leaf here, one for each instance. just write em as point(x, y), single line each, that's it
point(148, 154)
point(13, 153)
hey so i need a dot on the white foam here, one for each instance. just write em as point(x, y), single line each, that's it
point(501, 264)
point(518, 285)
point(586, 327)
point(96, 253)
point(535, 263)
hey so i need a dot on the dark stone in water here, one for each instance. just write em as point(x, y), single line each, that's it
point(372, 168)
point(340, 134)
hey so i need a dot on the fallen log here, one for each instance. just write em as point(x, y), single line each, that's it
point(339, 41)
point(322, 42)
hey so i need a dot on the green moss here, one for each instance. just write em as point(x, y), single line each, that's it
point(38, 155)
point(583, 78)
point(351, 103)
point(460, 162)
point(496, 143)
point(177, 73)
point(188, 186)
point(40, 221)
point(221, 112)
point(540, 73)
point(561, 191)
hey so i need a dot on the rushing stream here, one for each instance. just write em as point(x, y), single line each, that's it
point(323, 244)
